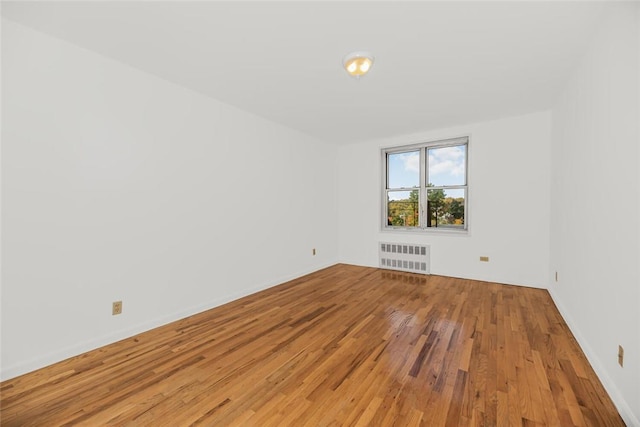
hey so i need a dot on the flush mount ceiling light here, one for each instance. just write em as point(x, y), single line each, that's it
point(358, 64)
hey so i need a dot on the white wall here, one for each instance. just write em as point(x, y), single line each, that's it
point(508, 214)
point(595, 197)
point(117, 185)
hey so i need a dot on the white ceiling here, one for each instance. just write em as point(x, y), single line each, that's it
point(437, 63)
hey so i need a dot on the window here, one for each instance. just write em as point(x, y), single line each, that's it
point(425, 186)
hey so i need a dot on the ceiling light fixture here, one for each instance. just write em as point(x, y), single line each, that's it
point(358, 64)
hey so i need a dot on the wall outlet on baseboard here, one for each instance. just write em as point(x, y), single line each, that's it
point(620, 356)
point(116, 308)
point(484, 258)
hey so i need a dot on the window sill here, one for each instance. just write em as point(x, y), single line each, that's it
point(428, 230)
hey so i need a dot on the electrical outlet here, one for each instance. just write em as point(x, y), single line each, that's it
point(313, 251)
point(116, 308)
point(620, 355)
point(484, 258)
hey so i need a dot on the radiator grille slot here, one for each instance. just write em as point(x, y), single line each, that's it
point(404, 257)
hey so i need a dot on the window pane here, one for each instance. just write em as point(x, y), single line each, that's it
point(445, 208)
point(403, 208)
point(447, 166)
point(403, 170)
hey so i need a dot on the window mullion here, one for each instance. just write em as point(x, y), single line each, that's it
point(423, 187)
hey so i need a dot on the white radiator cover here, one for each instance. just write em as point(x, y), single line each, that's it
point(404, 257)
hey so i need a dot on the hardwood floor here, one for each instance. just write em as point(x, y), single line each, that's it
point(343, 346)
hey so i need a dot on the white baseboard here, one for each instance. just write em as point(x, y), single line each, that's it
point(616, 396)
point(92, 344)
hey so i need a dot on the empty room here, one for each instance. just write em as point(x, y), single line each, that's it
point(318, 213)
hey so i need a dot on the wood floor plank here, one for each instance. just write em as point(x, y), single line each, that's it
point(346, 345)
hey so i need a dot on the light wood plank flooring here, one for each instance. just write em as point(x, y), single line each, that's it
point(343, 346)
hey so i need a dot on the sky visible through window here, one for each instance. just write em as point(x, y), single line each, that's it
point(446, 167)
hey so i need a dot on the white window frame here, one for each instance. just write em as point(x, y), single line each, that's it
point(422, 189)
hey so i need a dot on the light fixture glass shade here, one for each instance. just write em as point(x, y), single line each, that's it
point(358, 64)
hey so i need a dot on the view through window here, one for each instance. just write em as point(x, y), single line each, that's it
point(426, 185)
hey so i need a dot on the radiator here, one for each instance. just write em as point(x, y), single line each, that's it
point(404, 257)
